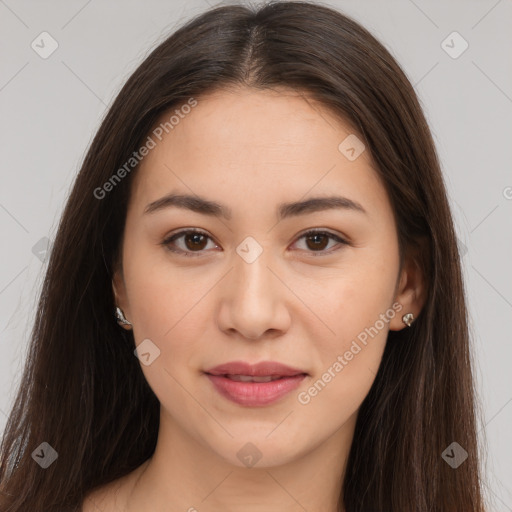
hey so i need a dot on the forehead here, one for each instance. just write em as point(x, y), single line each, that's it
point(280, 121)
point(256, 147)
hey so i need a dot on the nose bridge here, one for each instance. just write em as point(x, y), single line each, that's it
point(251, 299)
point(251, 275)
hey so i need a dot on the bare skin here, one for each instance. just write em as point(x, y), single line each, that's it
point(300, 303)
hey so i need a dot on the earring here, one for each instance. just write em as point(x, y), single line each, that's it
point(408, 319)
point(121, 320)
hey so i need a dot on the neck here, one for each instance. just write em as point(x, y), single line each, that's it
point(184, 474)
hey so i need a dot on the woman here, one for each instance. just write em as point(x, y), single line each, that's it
point(264, 211)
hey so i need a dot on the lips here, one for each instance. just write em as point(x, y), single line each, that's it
point(254, 385)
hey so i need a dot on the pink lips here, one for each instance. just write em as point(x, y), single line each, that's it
point(255, 393)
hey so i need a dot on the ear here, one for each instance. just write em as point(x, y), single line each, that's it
point(120, 296)
point(411, 291)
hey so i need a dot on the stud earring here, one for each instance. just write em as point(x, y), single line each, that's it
point(408, 319)
point(121, 320)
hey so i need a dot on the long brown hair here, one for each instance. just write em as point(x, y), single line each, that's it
point(83, 391)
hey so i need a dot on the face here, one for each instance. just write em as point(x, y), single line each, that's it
point(256, 285)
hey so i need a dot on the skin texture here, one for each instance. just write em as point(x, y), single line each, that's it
point(252, 150)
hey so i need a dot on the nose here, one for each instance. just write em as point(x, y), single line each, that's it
point(253, 300)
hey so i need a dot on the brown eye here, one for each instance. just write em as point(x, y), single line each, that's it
point(317, 241)
point(193, 241)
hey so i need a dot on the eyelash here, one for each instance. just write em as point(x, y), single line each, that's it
point(167, 242)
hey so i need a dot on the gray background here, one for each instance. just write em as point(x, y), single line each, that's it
point(52, 107)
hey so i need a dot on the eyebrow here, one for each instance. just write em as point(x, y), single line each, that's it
point(285, 210)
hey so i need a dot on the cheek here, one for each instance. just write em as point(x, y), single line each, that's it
point(354, 300)
point(162, 296)
point(348, 359)
point(356, 305)
point(167, 308)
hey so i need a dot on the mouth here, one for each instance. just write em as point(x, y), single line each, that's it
point(255, 385)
